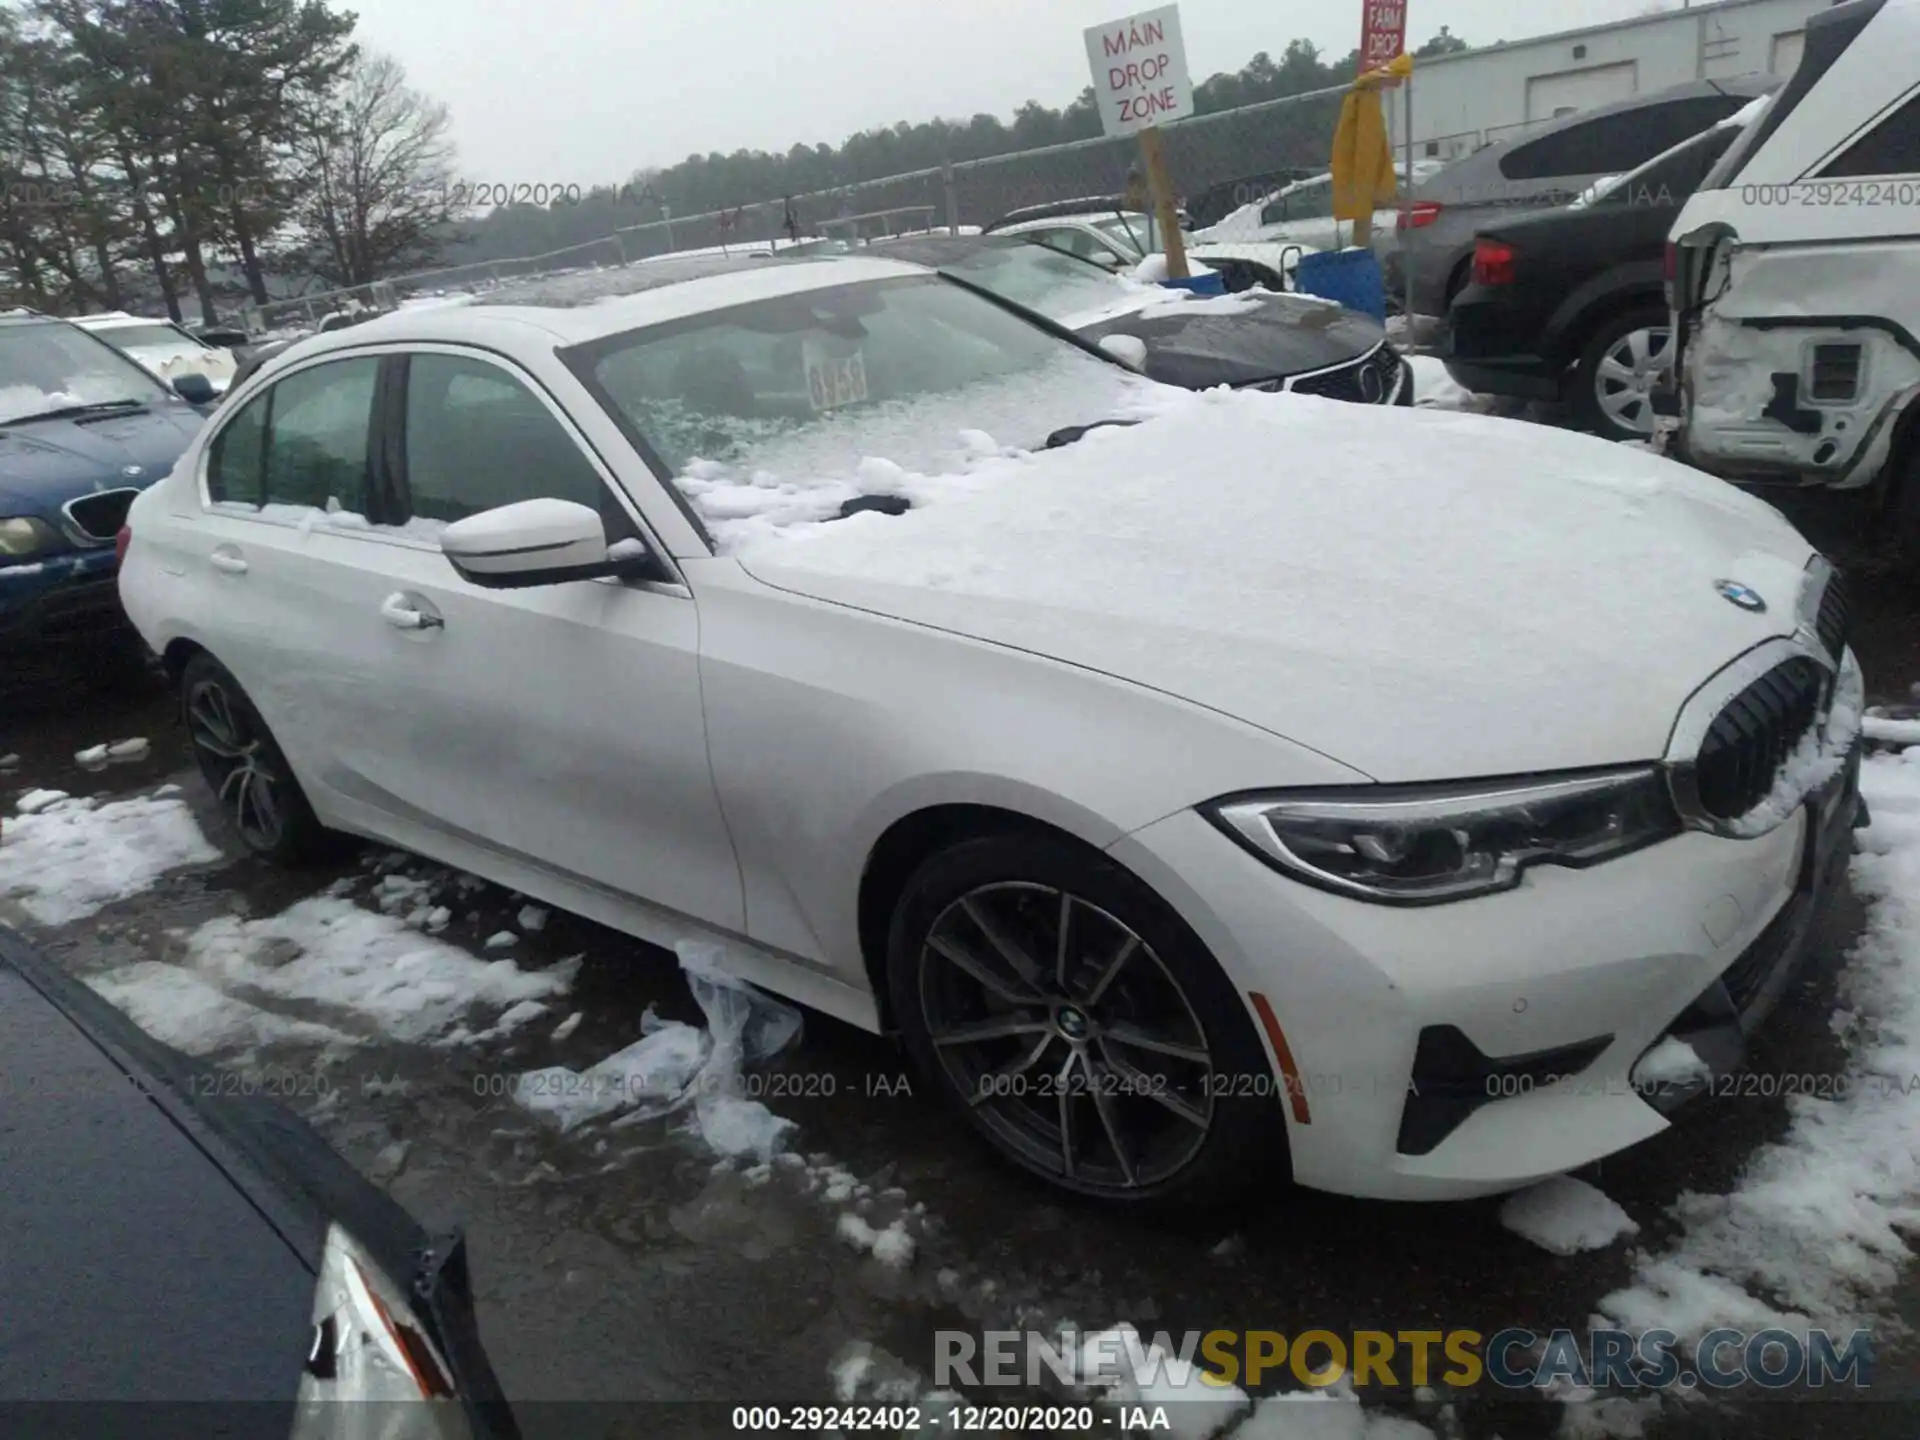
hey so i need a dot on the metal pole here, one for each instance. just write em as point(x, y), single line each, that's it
point(953, 198)
point(1406, 207)
point(666, 212)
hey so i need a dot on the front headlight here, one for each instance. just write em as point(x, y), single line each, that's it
point(1425, 844)
point(23, 536)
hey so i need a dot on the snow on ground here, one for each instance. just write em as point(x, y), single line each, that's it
point(180, 1009)
point(1885, 731)
point(1672, 1062)
point(1129, 1371)
point(1814, 1232)
point(1566, 1216)
point(371, 968)
point(1333, 1413)
point(1435, 389)
point(63, 858)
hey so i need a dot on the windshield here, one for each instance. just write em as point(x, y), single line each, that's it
point(55, 366)
point(1054, 283)
point(1134, 230)
point(777, 412)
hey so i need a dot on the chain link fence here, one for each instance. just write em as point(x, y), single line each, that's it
point(1219, 162)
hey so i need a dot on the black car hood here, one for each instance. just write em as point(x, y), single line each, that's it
point(1217, 344)
point(46, 463)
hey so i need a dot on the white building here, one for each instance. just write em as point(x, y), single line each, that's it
point(1462, 102)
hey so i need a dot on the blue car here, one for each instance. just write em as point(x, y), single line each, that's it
point(83, 430)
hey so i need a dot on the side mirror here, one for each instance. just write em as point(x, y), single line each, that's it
point(195, 389)
point(1129, 350)
point(533, 542)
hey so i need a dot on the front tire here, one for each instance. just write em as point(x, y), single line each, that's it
point(249, 776)
point(1080, 1027)
point(1614, 380)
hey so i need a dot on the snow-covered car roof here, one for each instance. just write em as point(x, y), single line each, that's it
point(588, 305)
point(120, 320)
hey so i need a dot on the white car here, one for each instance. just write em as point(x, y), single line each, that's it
point(1302, 214)
point(1207, 788)
point(1794, 268)
point(167, 349)
point(1118, 240)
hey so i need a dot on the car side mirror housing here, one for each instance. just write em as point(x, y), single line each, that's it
point(1129, 350)
point(536, 542)
point(195, 389)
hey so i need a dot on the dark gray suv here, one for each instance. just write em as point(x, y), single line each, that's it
point(1543, 170)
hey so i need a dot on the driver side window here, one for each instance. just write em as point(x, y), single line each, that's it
point(476, 438)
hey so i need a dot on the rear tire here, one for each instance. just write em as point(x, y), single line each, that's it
point(1098, 1061)
point(1614, 378)
point(249, 776)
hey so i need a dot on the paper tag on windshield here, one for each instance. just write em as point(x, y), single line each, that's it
point(834, 380)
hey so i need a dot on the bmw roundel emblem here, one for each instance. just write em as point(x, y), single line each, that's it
point(1745, 596)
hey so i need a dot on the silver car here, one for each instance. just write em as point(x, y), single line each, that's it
point(1545, 169)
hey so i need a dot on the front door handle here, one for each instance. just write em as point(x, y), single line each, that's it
point(404, 612)
point(227, 562)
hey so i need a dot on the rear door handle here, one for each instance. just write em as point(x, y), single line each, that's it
point(227, 562)
point(405, 612)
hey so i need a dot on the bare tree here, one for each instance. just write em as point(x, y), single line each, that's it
point(378, 191)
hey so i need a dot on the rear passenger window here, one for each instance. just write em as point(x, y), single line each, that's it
point(303, 442)
point(1891, 148)
point(476, 439)
point(1615, 144)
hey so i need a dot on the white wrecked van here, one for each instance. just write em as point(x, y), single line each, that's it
point(1794, 272)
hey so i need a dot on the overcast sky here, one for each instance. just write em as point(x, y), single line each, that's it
point(586, 91)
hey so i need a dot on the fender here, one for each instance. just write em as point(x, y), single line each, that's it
point(1620, 288)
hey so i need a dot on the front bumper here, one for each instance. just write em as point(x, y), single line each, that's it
point(1562, 985)
point(63, 598)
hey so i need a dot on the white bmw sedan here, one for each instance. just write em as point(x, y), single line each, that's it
point(1205, 787)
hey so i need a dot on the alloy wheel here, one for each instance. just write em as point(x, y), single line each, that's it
point(237, 763)
point(1076, 1046)
point(1624, 382)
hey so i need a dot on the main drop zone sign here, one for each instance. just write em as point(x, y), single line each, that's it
point(1139, 70)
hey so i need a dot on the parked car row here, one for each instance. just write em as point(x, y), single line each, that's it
point(1755, 280)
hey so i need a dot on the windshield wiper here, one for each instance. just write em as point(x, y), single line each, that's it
point(71, 412)
point(1072, 433)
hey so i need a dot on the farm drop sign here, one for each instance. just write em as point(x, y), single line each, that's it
point(1140, 71)
point(1383, 32)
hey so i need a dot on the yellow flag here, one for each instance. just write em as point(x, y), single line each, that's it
point(1363, 179)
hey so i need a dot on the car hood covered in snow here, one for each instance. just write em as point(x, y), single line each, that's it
point(1419, 595)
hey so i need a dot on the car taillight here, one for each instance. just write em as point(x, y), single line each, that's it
point(1493, 263)
point(121, 542)
point(1419, 215)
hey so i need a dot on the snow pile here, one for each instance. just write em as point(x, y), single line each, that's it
point(1153, 269)
point(63, 858)
point(1129, 1371)
point(180, 1009)
point(1333, 1413)
point(1671, 1062)
point(1815, 1230)
point(891, 1245)
point(1882, 730)
point(1566, 1216)
point(97, 757)
point(675, 1066)
point(1436, 389)
point(328, 951)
